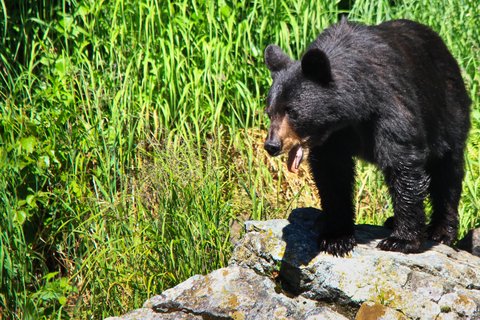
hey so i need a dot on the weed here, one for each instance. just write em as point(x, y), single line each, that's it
point(130, 140)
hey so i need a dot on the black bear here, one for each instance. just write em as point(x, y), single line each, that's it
point(390, 94)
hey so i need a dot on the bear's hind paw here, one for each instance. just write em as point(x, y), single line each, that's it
point(338, 247)
point(393, 243)
point(443, 234)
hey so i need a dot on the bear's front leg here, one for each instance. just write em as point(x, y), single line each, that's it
point(333, 170)
point(408, 185)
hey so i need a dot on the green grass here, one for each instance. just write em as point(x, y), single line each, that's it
point(130, 140)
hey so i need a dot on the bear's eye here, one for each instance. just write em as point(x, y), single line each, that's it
point(292, 113)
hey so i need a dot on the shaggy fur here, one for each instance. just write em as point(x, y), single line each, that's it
point(390, 94)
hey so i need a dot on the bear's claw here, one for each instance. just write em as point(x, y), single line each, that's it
point(445, 234)
point(393, 243)
point(338, 247)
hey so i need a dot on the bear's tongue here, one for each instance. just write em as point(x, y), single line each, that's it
point(295, 156)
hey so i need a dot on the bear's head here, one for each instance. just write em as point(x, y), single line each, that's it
point(301, 104)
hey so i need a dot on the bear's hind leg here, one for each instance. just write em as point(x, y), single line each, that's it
point(333, 170)
point(445, 191)
point(408, 185)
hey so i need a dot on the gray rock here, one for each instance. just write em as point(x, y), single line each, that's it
point(230, 293)
point(236, 293)
point(150, 314)
point(421, 286)
point(373, 310)
point(276, 272)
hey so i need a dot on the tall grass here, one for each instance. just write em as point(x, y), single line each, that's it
point(130, 140)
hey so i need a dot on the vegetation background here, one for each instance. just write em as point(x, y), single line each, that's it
point(131, 139)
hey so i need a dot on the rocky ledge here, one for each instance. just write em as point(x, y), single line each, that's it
point(276, 272)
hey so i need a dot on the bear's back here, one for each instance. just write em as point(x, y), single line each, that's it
point(401, 68)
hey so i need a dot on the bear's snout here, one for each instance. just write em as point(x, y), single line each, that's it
point(273, 147)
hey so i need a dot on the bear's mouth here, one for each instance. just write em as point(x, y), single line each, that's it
point(295, 157)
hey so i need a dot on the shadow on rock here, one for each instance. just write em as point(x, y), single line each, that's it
point(471, 242)
point(301, 235)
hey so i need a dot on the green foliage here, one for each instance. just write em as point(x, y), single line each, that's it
point(126, 148)
point(50, 298)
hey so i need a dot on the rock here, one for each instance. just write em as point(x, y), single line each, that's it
point(150, 314)
point(230, 293)
point(417, 285)
point(372, 310)
point(471, 242)
point(276, 272)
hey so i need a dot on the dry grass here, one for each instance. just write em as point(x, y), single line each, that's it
point(283, 191)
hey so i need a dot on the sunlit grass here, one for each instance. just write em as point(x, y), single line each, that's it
point(131, 140)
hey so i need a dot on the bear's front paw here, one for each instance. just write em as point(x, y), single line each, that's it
point(339, 246)
point(393, 243)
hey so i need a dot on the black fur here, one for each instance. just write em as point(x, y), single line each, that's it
point(393, 95)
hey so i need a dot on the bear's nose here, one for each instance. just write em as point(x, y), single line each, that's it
point(273, 147)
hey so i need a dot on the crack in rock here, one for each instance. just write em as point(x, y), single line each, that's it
point(172, 306)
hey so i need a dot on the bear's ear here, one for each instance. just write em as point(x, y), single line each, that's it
point(275, 58)
point(316, 66)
